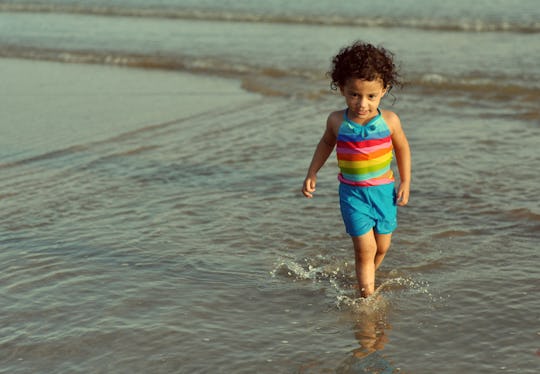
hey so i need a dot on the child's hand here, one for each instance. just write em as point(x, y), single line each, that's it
point(403, 194)
point(309, 186)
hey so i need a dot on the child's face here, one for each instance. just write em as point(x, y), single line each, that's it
point(362, 98)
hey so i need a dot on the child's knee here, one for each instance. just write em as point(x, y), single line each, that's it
point(365, 252)
point(382, 249)
point(383, 243)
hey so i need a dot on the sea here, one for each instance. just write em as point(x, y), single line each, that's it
point(152, 154)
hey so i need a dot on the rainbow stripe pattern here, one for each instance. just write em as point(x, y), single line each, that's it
point(364, 152)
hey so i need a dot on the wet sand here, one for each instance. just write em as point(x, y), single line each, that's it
point(50, 105)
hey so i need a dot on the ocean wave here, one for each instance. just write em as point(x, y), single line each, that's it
point(284, 82)
point(489, 87)
point(136, 60)
point(457, 25)
point(43, 157)
point(91, 57)
point(265, 80)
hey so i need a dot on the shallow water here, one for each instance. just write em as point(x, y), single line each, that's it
point(164, 230)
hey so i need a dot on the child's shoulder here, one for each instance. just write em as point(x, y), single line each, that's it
point(391, 119)
point(335, 119)
point(337, 116)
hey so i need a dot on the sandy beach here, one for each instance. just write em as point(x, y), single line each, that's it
point(49, 105)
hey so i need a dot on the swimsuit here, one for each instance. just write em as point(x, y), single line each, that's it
point(364, 153)
point(367, 194)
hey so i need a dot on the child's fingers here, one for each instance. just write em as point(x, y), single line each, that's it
point(402, 198)
point(308, 188)
point(307, 193)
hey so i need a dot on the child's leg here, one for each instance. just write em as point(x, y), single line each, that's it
point(383, 244)
point(365, 249)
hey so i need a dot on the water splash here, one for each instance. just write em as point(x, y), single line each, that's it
point(320, 268)
point(338, 273)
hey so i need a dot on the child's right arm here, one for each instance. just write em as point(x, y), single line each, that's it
point(322, 152)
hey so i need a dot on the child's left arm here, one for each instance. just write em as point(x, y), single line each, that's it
point(403, 157)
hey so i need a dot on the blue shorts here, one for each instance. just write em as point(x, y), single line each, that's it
point(364, 208)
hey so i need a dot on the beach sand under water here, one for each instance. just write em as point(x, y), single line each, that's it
point(152, 221)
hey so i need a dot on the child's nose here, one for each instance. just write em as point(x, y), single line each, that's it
point(363, 102)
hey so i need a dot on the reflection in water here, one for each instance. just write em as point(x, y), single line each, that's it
point(370, 326)
point(371, 336)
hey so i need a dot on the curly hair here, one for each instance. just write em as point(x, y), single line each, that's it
point(364, 61)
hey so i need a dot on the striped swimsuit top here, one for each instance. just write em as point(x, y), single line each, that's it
point(364, 152)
